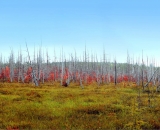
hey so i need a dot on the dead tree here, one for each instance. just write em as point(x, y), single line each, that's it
point(11, 66)
point(115, 73)
point(35, 79)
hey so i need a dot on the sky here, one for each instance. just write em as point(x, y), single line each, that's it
point(116, 26)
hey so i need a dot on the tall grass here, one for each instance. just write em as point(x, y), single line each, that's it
point(23, 106)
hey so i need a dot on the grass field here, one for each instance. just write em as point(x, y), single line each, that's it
point(50, 106)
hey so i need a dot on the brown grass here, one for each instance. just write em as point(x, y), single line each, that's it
point(23, 106)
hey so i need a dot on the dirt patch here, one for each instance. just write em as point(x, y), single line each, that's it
point(92, 110)
point(33, 94)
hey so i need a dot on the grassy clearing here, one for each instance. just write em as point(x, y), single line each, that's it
point(24, 106)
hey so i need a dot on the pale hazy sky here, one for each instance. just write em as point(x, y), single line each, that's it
point(116, 25)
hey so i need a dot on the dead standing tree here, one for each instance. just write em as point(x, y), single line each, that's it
point(35, 79)
point(115, 73)
point(11, 65)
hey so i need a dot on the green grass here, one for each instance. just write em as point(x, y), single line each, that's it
point(24, 106)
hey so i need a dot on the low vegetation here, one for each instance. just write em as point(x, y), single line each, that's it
point(52, 106)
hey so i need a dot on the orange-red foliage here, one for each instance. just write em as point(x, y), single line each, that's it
point(55, 74)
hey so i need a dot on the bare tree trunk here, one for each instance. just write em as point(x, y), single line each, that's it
point(115, 74)
point(142, 71)
point(11, 62)
point(33, 73)
point(62, 69)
